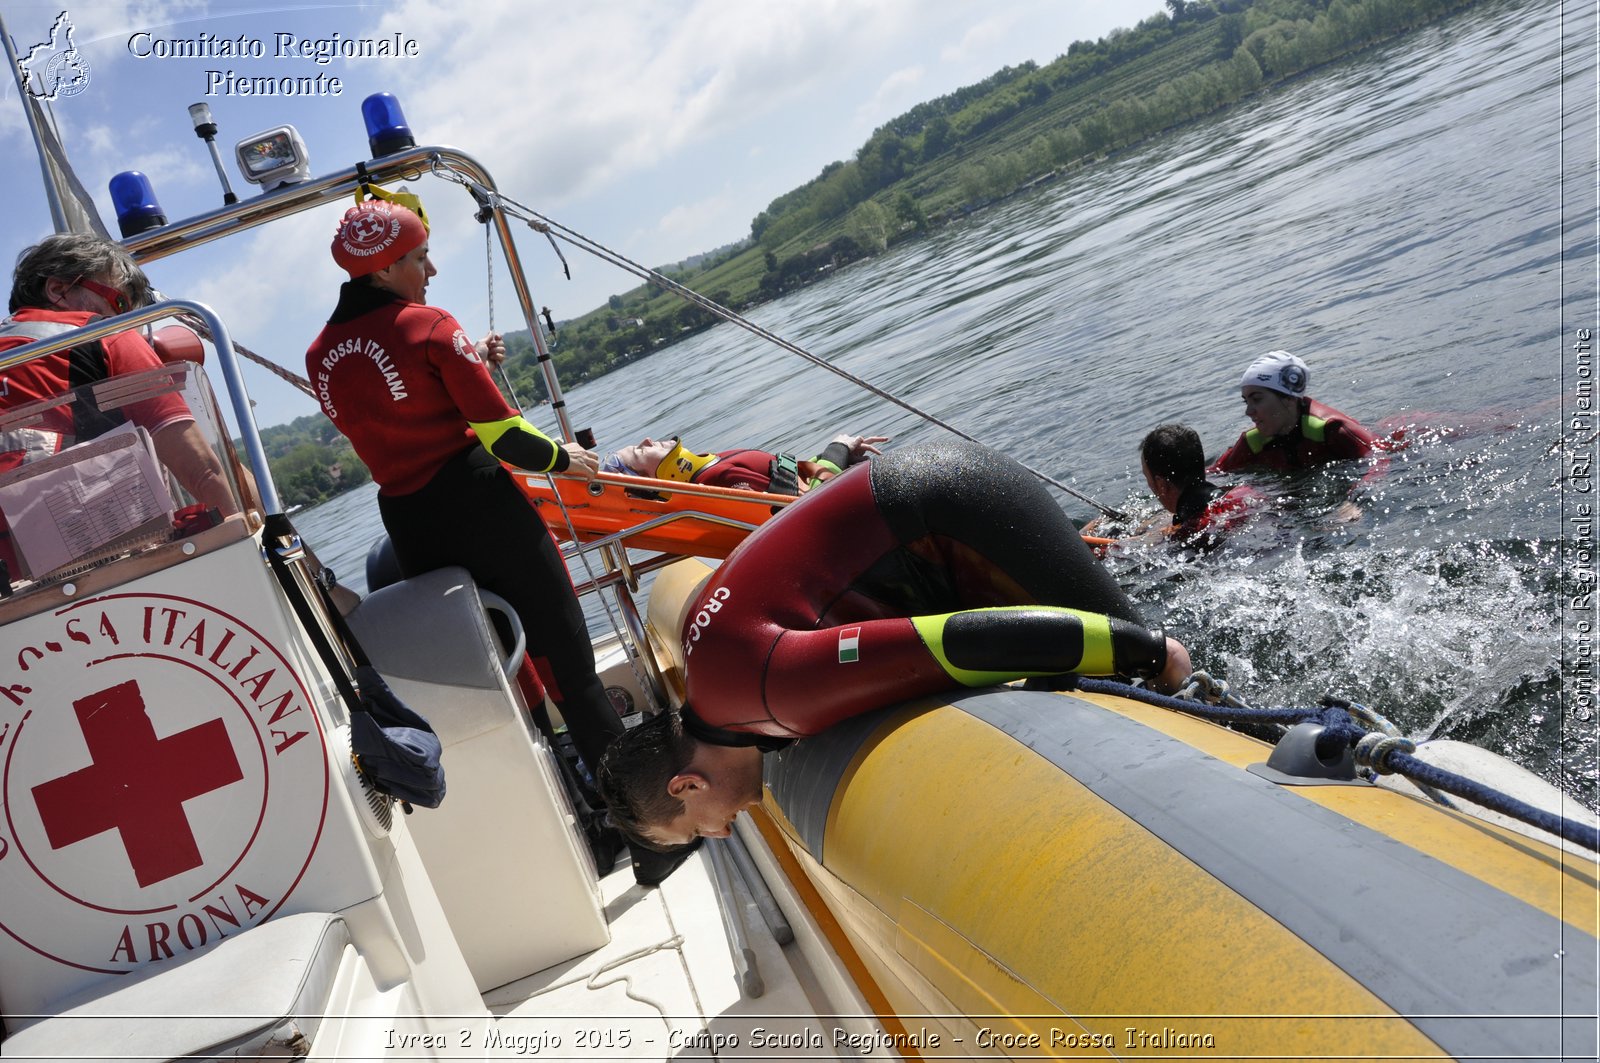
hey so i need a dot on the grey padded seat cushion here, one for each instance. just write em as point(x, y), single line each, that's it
point(232, 999)
point(431, 628)
point(431, 638)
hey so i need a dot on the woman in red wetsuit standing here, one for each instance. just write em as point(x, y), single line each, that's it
point(404, 383)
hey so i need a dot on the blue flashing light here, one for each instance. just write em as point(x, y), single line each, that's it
point(135, 201)
point(387, 131)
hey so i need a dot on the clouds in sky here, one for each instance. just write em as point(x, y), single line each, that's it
point(596, 93)
point(660, 129)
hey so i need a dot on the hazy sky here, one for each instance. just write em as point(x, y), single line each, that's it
point(659, 128)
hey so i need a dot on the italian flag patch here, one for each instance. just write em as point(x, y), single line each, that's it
point(849, 645)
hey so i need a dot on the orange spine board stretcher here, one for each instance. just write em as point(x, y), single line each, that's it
point(611, 504)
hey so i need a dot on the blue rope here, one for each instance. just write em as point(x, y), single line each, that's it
point(1340, 732)
point(1476, 792)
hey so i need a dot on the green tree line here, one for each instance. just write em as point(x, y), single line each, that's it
point(311, 462)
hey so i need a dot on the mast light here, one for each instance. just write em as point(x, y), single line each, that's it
point(205, 127)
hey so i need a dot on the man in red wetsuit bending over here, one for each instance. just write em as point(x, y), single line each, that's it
point(929, 569)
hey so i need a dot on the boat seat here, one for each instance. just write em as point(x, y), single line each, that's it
point(460, 644)
point(383, 570)
point(530, 899)
point(259, 994)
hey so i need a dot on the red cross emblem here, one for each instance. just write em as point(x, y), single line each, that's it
point(136, 783)
point(366, 229)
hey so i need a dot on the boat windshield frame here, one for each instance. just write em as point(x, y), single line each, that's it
point(227, 359)
point(341, 186)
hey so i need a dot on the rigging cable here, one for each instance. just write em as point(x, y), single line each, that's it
point(632, 651)
point(489, 200)
point(551, 229)
point(293, 378)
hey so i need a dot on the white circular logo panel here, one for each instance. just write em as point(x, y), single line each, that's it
point(165, 780)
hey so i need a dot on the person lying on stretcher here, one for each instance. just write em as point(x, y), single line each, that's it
point(749, 470)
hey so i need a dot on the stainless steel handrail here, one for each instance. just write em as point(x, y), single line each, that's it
point(656, 522)
point(411, 164)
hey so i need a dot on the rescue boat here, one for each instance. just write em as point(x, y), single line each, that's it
point(192, 865)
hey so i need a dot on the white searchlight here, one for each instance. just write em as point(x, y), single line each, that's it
point(273, 158)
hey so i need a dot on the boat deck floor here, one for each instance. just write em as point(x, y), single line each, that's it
point(667, 986)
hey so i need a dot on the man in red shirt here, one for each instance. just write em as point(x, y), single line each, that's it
point(64, 282)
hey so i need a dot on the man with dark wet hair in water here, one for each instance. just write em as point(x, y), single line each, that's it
point(1174, 464)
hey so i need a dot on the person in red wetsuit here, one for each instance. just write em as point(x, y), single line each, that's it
point(1292, 431)
point(64, 282)
point(1174, 464)
point(405, 384)
point(748, 470)
point(928, 569)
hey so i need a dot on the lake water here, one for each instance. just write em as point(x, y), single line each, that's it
point(1398, 219)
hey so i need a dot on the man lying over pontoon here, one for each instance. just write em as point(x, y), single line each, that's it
point(934, 568)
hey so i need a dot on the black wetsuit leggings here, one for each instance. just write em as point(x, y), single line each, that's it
point(471, 514)
point(979, 530)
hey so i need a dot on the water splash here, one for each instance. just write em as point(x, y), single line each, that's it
point(1426, 610)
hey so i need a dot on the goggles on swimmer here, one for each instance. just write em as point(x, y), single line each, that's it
point(682, 465)
point(410, 200)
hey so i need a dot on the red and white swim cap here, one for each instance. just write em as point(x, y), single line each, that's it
point(375, 235)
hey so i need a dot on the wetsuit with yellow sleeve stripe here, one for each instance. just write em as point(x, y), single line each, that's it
point(406, 386)
point(929, 569)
